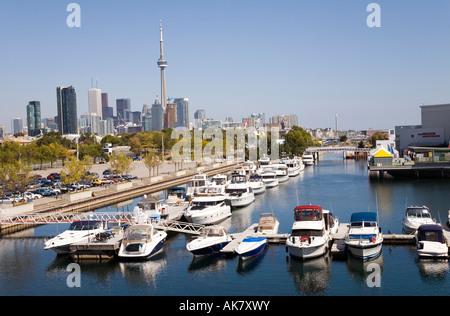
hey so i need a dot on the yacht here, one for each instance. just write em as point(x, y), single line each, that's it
point(364, 239)
point(211, 240)
point(198, 181)
point(295, 166)
point(208, 207)
point(153, 208)
point(249, 167)
point(141, 242)
point(310, 236)
point(219, 179)
point(268, 224)
point(282, 172)
point(308, 159)
point(239, 191)
point(257, 184)
point(269, 177)
point(416, 216)
point(251, 247)
point(431, 242)
point(79, 231)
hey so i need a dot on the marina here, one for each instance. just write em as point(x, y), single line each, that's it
point(243, 225)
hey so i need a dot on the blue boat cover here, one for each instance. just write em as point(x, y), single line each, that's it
point(364, 217)
point(254, 239)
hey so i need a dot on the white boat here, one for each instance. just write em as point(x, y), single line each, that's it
point(431, 242)
point(416, 216)
point(268, 224)
point(208, 208)
point(141, 242)
point(211, 240)
point(282, 172)
point(364, 239)
point(257, 185)
point(79, 231)
point(251, 247)
point(249, 167)
point(198, 181)
point(310, 235)
point(295, 166)
point(308, 159)
point(239, 191)
point(153, 208)
point(219, 179)
point(269, 177)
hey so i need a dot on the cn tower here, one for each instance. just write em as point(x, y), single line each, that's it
point(162, 63)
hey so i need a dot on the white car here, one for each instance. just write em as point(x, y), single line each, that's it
point(32, 196)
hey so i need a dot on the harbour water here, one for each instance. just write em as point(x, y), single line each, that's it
point(340, 186)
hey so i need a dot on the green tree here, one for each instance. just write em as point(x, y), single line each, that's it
point(121, 164)
point(152, 160)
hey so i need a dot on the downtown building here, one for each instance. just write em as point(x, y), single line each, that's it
point(67, 110)
point(34, 118)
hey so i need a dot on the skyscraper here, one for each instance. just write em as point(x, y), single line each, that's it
point(162, 63)
point(157, 116)
point(95, 101)
point(17, 125)
point(34, 118)
point(67, 110)
point(182, 112)
point(170, 116)
point(123, 110)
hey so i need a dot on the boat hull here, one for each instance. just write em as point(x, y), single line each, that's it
point(242, 201)
point(151, 249)
point(364, 250)
point(208, 217)
point(199, 249)
point(432, 250)
point(303, 250)
point(251, 247)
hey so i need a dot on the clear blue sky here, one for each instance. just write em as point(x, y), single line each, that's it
point(312, 58)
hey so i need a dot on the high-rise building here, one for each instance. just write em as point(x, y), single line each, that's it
point(123, 107)
point(199, 116)
point(95, 101)
point(157, 116)
point(17, 125)
point(67, 110)
point(162, 64)
point(34, 118)
point(182, 112)
point(105, 102)
point(170, 116)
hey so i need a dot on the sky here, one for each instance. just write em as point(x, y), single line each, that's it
point(313, 58)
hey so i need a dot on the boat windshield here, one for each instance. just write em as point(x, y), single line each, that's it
point(138, 234)
point(308, 215)
point(201, 205)
point(363, 224)
point(418, 213)
point(307, 233)
point(238, 179)
point(431, 235)
point(213, 232)
point(84, 226)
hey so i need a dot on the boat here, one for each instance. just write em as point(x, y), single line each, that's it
point(431, 242)
point(211, 240)
point(219, 179)
point(310, 237)
point(268, 224)
point(209, 207)
point(269, 177)
point(308, 159)
point(198, 181)
point(257, 185)
point(333, 223)
point(282, 172)
point(364, 239)
point(249, 167)
point(141, 242)
point(78, 231)
point(153, 208)
point(416, 216)
point(239, 191)
point(295, 166)
point(251, 247)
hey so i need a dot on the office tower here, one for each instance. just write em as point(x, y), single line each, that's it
point(105, 102)
point(157, 116)
point(170, 116)
point(199, 116)
point(123, 107)
point(17, 125)
point(146, 109)
point(34, 118)
point(182, 112)
point(2, 131)
point(162, 63)
point(67, 110)
point(95, 101)
point(147, 122)
point(135, 117)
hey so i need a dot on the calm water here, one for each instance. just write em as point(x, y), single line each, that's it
point(343, 187)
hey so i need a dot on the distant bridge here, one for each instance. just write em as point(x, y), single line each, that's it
point(332, 149)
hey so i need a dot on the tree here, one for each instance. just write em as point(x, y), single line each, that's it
point(121, 164)
point(296, 141)
point(152, 160)
point(75, 170)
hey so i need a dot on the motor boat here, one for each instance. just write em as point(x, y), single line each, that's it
point(249, 167)
point(239, 191)
point(208, 207)
point(198, 181)
point(211, 240)
point(251, 247)
point(268, 224)
point(333, 223)
point(78, 231)
point(431, 242)
point(416, 216)
point(141, 242)
point(219, 179)
point(295, 166)
point(308, 159)
point(364, 239)
point(282, 172)
point(257, 185)
point(269, 177)
point(310, 235)
point(154, 208)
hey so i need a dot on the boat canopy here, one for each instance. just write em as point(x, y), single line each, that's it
point(308, 213)
point(430, 233)
point(364, 217)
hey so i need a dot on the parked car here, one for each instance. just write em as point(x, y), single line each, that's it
point(44, 191)
point(52, 175)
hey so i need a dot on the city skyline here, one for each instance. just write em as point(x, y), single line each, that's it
point(312, 59)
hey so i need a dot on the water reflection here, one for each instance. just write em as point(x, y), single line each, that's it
point(310, 276)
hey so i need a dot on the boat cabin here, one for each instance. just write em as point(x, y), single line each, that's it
point(308, 213)
point(85, 225)
point(213, 231)
point(430, 233)
point(237, 178)
point(418, 212)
